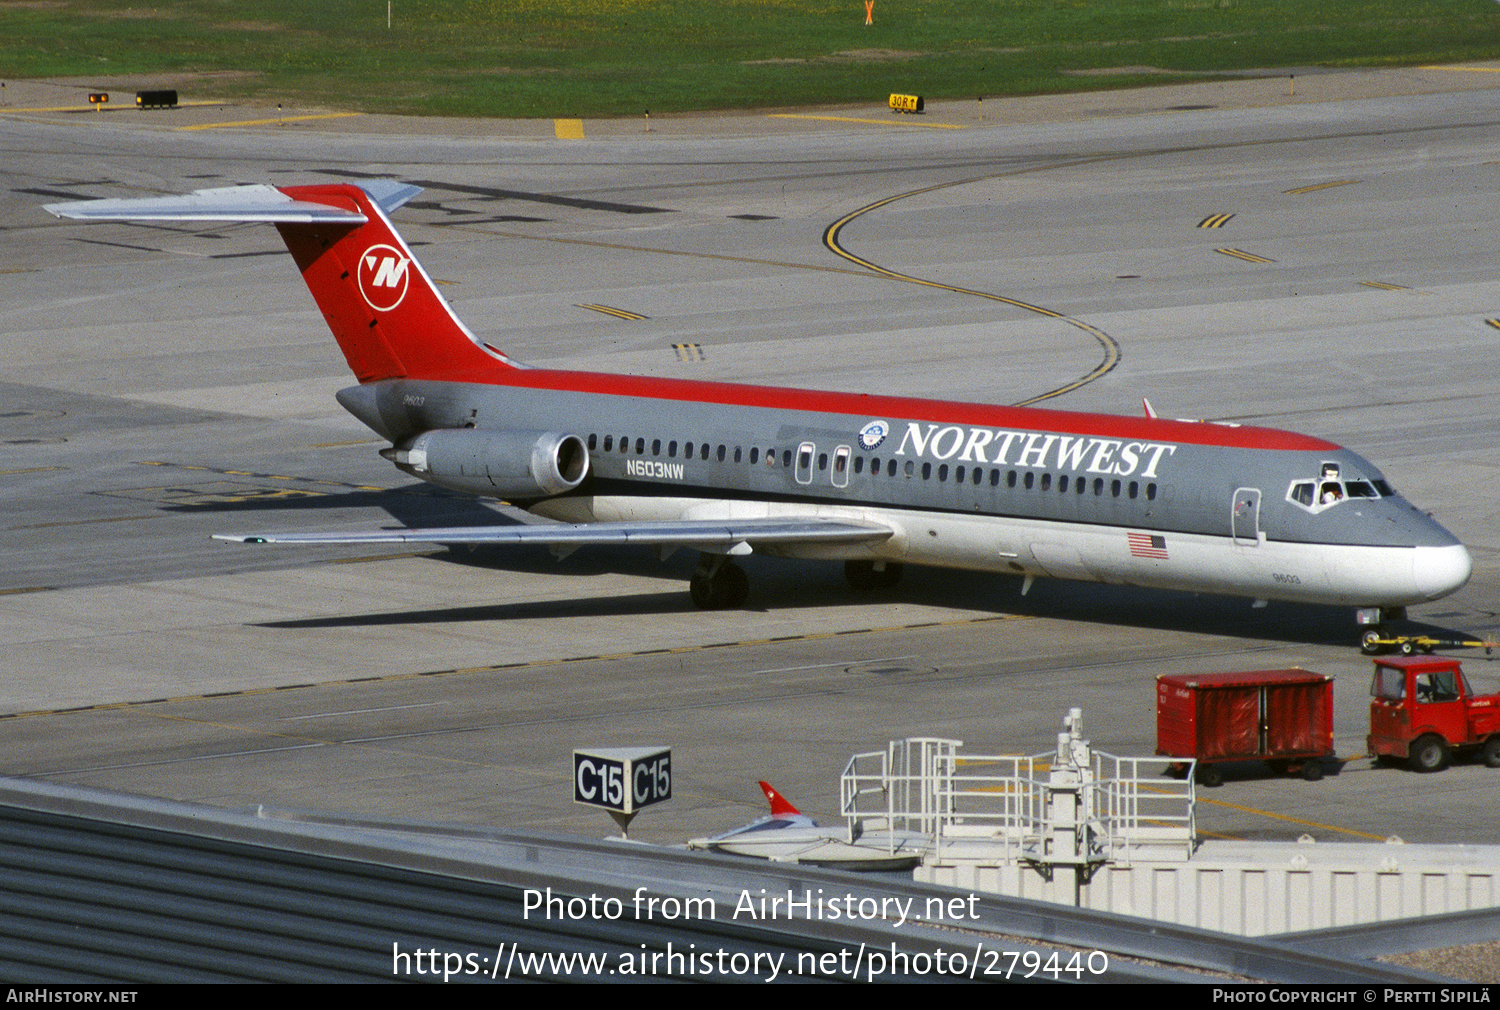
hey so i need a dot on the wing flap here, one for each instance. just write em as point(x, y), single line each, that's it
point(684, 533)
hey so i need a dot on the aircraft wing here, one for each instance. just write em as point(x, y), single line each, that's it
point(725, 535)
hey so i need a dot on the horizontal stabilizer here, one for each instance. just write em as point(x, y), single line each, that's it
point(235, 203)
point(701, 533)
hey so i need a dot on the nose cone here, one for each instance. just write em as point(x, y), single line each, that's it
point(1439, 571)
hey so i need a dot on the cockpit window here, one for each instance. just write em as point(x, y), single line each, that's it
point(1328, 490)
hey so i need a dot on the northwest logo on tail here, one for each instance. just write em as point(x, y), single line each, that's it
point(383, 277)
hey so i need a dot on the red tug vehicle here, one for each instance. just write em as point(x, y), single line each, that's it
point(1422, 709)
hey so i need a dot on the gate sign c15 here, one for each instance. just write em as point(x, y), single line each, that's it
point(622, 779)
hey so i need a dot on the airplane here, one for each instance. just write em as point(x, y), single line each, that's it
point(787, 835)
point(876, 482)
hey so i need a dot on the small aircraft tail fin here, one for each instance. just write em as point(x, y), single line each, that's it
point(779, 805)
point(385, 311)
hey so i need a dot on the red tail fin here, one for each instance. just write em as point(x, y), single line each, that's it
point(779, 804)
point(384, 310)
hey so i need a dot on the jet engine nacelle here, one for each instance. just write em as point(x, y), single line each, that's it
point(506, 464)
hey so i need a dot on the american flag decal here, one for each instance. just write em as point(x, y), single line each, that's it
point(1144, 545)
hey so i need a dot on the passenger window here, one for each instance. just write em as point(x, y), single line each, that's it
point(592, 439)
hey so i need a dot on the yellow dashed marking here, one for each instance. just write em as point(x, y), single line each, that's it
point(498, 667)
point(568, 129)
point(1321, 185)
point(1215, 221)
point(1241, 254)
point(611, 311)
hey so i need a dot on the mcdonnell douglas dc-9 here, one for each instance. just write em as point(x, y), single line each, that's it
point(874, 481)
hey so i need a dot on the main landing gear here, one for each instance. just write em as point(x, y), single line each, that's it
point(718, 583)
point(867, 576)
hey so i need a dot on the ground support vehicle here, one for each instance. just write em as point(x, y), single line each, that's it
point(1282, 717)
point(1375, 643)
point(1423, 710)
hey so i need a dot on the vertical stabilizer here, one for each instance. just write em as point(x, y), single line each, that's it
point(384, 310)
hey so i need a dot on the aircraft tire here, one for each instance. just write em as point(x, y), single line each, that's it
point(726, 589)
point(733, 586)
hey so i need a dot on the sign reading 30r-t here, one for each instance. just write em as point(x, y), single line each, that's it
point(622, 779)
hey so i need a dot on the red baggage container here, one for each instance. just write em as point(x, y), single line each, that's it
point(1284, 717)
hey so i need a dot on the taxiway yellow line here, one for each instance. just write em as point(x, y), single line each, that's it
point(1293, 820)
point(876, 122)
point(568, 129)
point(267, 122)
